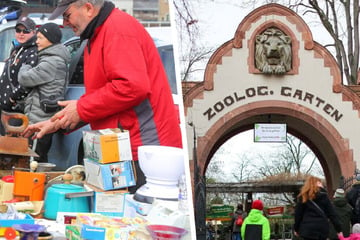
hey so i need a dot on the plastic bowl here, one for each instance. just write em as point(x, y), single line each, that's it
point(162, 232)
point(169, 162)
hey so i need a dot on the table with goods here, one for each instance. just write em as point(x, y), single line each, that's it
point(92, 201)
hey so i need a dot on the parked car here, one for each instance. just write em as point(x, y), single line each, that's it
point(10, 10)
point(9, 13)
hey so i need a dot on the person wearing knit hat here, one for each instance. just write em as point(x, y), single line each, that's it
point(344, 213)
point(257, 204)
point(256, 226)
point(356, 228)
point(45, 81)
point(355, 235)
point(352, 198)
point(51, 31)
point(339, 193)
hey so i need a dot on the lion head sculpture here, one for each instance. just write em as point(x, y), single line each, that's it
point(273, 52)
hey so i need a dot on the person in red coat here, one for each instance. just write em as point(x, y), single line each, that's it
point(125, 82)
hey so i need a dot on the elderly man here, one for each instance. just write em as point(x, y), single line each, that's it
point(126, 84)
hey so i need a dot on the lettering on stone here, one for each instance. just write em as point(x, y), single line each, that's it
point(273, 52)
point(261, 91)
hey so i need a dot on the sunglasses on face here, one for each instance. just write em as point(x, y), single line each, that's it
point(24, 31)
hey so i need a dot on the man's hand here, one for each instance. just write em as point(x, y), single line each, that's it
point(68, 117)
point(38, 130)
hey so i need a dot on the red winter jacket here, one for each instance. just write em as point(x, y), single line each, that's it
point(126, 85)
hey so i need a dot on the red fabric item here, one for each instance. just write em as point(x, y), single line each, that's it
point(239, 220)
point(126, 85)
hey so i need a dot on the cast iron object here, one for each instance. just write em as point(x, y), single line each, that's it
point(13, 143)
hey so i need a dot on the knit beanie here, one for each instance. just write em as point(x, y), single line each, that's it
point(356, 228)
point(51, 31)
point(257, 204)
point(339, 193)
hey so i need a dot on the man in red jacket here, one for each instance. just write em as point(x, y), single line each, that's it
point(125, 83)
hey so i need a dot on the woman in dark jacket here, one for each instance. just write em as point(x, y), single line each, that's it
point(23, 52)
point(313, 210)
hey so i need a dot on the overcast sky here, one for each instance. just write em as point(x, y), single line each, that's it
point(219, 19)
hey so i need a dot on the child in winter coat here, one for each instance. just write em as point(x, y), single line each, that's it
point(256, 226)
point(355, 235)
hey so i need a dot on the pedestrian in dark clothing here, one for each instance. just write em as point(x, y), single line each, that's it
point(313, 211)
point(344, 211)
point(236, 233)
point(351, 197)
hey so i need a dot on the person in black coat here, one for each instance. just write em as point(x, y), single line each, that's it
point(313, 212)
point(344, 211)
point(351, 197)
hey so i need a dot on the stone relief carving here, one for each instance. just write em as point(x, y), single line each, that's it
point(273, 52)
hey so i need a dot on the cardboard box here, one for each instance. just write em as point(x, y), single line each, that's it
point(109, 176)
point(107, 145)
point(110, 233)
point(98, 227)
point(108, 203)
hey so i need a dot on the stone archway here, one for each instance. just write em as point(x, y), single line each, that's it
point(309, 97)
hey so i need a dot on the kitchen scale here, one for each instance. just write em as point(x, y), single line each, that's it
point(162, 167)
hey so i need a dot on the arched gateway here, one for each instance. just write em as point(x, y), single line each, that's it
point(272, 70)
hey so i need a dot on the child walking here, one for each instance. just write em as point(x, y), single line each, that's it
point(355, 235)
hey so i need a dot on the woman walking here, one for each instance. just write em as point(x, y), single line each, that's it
point(313, 211)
